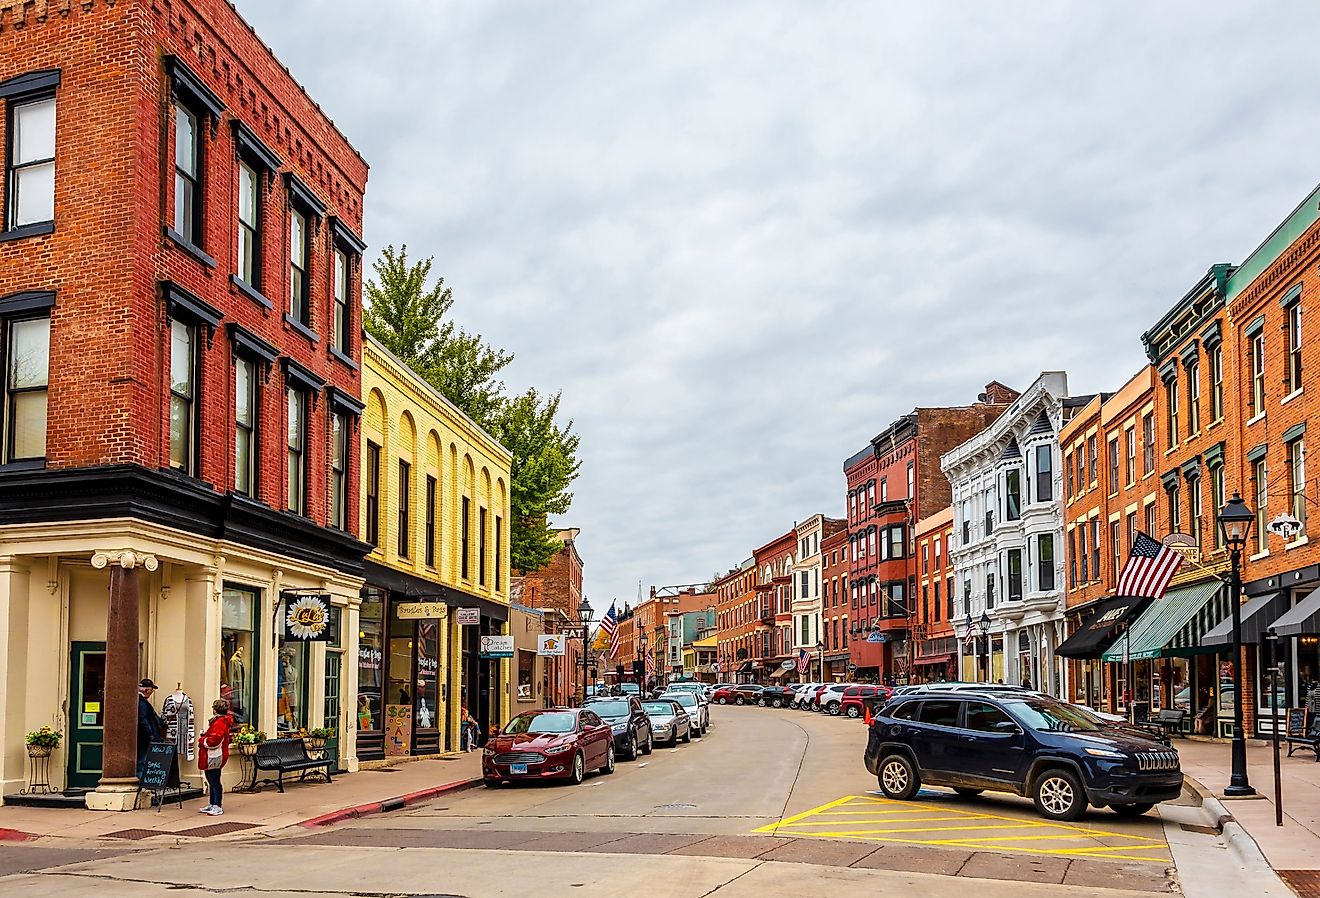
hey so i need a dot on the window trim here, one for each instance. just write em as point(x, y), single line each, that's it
point(7, 321)
point(338, 519)
point(251, 429)
point(404, 547)
point(10, 209)
point(432, 496)
point(192, 448)
point(29, 87)
point(371, 490)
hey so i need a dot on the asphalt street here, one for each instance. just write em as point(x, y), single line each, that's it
point(770, 802)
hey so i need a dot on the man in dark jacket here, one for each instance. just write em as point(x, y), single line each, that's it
point(150, 728)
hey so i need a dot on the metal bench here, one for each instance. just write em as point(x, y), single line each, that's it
point(283, 756)
point(1167, 721)
point(1303, 731)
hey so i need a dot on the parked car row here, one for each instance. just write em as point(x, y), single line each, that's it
point(569, 743)
point(847, 699)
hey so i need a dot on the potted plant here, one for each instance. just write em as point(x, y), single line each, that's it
point(247, 738)
point(41, 742)
point(316, 737)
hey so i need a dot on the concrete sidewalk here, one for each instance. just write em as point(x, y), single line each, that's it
point(1295, 846)
point(308, 804)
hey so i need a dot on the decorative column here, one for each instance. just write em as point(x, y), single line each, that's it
point(118, 788)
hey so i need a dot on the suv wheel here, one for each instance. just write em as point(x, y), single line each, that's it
point(777, 703)
point(740, 701)
point(650, 742)
point(853, 712)
point(609, 761)
point(833, 709)
point(1058, 795)
point(631, 753)
point(722, 700)
point(1132, 810)
point(898, 778)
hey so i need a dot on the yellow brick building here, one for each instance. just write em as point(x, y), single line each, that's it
point(435, 506)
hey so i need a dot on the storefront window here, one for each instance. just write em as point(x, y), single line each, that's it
point(334, 672)
point(371, 657)
point(238, 659)
point(291, 687)
point(526, 665)
point(428, 670)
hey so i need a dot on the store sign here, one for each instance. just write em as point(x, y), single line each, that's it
point(496, 647)
point(307, 618)
point(1286, 526)
point(552, 646)
point(420, 610)
point(398, 731)
point(468, 617)
point(1185, 545)
point(875, 637)
point(715, 667)
point(787, 665)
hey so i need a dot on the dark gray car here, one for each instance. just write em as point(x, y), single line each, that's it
point(628, 722)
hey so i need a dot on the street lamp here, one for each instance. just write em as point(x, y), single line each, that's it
point(641, 653)
point(584, 618)
point(820, 649)
point(1235, 520)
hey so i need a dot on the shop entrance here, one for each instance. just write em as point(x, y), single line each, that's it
point(86, 714)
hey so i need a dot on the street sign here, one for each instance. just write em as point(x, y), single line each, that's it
point(496, 647)
point(551, 646)
point(468, 617)
point(715, 667)
point(420, 610)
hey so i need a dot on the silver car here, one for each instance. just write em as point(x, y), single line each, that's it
point(669, 721)
point(696, 708)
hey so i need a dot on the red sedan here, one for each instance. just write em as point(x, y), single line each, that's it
point(562, 743)
point(852, 703)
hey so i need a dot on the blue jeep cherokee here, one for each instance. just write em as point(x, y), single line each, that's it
point(1027, 744)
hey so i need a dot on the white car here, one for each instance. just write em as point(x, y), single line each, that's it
point(697, 708)
point(800, 693)
point(831, 698)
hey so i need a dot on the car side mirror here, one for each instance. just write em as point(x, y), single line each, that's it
point(1008, 727)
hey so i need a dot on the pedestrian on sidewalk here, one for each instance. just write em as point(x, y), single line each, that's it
point(150, 727)
point(469, 729)
point(214, 753)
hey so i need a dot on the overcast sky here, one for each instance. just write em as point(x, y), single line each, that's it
point(743, 237)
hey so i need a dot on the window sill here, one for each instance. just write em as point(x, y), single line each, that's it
point(1297, 543)
point(1251, 421)
point(250, 292)
point(1213, 424)
point(190, 248)
point(39, 229)
point(1291, 396)
point(25, 464)
point(342, 359)
point(1259, 555)
point(301, 328)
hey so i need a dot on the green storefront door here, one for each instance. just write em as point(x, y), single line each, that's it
point(86, 713)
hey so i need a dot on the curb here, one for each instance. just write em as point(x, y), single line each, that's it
point(15, 835)
point(1239, 841)
point(387, 804)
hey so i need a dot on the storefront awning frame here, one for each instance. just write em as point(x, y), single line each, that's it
point(1257, 615)
point(1100, 628)
point(1301, 619)
point(1160, 626)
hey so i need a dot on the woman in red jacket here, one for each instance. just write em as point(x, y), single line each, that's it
point(214, 752)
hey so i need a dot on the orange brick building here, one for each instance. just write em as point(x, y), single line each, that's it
point(738, 618)
point(934, 641)
point(834, 604)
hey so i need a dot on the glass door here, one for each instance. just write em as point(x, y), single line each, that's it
point(86, 714)
point(334, 672)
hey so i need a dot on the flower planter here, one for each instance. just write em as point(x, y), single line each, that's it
point(314, 743)
point(38, 751)
point(247, 748)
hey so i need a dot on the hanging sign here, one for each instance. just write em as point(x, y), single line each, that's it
point(1285, 525)
point(551, 646)
point(307, 618)
point(468, 617)
point(420, 610)
point(496, 647)
point(787, 665)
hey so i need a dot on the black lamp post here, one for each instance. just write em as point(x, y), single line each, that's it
point(1235, 520)
point(641, 653)
point(584, 618)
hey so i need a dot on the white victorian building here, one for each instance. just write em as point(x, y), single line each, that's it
point(806, 572)
point(1007, 546)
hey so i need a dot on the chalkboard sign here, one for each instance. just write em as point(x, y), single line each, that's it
point(1296, 721)
point(160, 771)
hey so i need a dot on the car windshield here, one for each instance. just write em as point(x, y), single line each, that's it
point(630, 688)
point(1045, 715)
point(686, 699)
point(610, 709)
point(658, 709)
point(553, 722)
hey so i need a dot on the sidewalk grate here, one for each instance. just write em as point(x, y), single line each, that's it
point(134, 834)
point(215, 829)
point(1306, 883)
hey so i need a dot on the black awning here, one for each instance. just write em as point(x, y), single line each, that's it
point(1257, 615)
point(1101, 625)
point(1302, 618)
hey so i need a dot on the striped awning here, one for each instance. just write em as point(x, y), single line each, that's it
point(1173, 625)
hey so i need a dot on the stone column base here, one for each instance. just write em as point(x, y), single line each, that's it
point(121, 796)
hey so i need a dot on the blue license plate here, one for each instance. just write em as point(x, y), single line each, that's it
point(517, 768)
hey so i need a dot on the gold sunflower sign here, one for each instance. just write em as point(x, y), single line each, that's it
point(307, 618)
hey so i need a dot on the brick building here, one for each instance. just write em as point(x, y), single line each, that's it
point(834, 604)
point(934, 641)
point(737, 617)
point(894, 482)
point(1108, 511)
point(180, 274)
point(774, 602)
point(557, 590)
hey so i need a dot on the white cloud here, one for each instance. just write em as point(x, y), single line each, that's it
point(743, 237)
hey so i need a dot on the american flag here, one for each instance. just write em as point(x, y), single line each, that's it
point(804, 661)
point(610, 624)
point(1149, 568)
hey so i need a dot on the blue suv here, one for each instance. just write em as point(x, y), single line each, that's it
point(1031, 745)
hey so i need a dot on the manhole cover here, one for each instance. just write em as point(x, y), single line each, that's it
point(134, 834)
point(1306, 883)
point(215, 829)
point(677, 806)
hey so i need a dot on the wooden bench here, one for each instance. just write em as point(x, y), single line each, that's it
point(283, 756)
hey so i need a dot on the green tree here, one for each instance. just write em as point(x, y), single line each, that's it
point(408, 316)
point(545, 464)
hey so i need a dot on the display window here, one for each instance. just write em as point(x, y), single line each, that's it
point(238, 655)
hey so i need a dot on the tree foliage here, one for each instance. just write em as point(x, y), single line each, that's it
point(408, 315)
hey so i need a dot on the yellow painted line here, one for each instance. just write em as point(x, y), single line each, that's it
point(1052, 839)
point(930, 829)
point(805, 814)
point(907, 820)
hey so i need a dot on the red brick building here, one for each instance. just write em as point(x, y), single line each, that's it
point(738, 617)
point(934, 644)
point(556, 589)
point(773, 641)
point(893, 483)
point(180, 276)
point(834, 609)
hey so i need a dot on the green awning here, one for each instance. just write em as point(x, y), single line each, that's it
point(1166, 627)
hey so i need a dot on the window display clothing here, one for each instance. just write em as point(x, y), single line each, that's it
point(180, 726)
